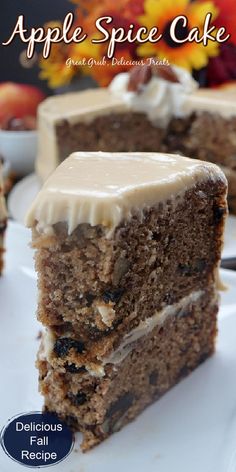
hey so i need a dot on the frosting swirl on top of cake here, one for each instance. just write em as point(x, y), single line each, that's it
point(159, 98)
point(101, 188)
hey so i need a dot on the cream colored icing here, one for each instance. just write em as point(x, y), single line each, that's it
point(213, 101)
point(76, 106)
point(104, 188)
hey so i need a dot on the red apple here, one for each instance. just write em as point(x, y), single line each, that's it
point(18, 100)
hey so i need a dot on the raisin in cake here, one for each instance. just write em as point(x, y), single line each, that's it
point(150, 109)
point(3, 219)
point(127, 253)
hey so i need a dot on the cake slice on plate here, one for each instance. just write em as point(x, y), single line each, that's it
point(3, 219)
point(127, 253)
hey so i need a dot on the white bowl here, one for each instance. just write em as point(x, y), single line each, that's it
point(19, 148)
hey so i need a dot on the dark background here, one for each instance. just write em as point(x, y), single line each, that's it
point(36, 13)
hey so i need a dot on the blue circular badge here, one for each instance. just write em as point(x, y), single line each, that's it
point(37, 439)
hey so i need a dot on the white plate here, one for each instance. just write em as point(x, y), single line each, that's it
point(19, 148)
point(230, 237)
point(190, 429)
point(21, 197)
point(24, 192)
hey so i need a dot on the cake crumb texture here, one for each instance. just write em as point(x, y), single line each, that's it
point(128, 314)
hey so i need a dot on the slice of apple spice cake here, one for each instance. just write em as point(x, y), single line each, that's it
point(127, 253)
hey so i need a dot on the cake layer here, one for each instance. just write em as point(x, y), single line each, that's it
point(127, 131)
point(217, 133)
point(93, 287)
point(98, 406)
point(120, 132)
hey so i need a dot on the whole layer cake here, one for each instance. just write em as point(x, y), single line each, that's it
point(150, 109)
point(127, 253)
point(3, 219)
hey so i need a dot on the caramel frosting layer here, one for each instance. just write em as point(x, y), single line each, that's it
point(222, 102)
point(104, 188)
